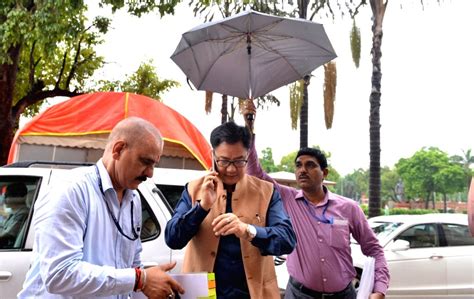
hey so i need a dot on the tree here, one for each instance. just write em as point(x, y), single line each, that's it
point(448, 180)
point(466, 160)
point(378, 13)
point(430, 170)
point(267, 161)
point(287, 162)
point(355, 184)
point(144, 81)
point(47, 50)
point(389, 181)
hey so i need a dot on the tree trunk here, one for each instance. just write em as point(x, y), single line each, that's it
point(378, 10)
point(427, 201)
point(445, 200)
point(224, 109)
point(8, 73)
point(304, 114)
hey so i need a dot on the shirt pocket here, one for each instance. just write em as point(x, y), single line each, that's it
point(339, 235)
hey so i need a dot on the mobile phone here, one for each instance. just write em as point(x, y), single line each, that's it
point(214, 164)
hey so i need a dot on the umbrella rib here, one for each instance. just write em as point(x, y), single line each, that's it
point(206, 73)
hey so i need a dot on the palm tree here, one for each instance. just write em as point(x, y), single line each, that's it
point(466, 161)
point(378, 12)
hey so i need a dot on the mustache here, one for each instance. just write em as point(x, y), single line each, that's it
point(141, 178)
point(303, 176)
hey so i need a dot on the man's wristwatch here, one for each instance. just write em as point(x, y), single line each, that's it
point(251, 231)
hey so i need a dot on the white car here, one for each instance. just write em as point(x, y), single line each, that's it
point(428, 256)
point(16, 250)
point(158, 196)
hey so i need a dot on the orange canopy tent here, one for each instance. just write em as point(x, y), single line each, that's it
point(84, 122)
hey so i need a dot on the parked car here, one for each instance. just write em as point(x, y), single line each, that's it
point(158, 195)
point(16, 251)
point(428, 256)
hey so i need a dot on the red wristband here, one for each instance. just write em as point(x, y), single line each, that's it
point(138, 280)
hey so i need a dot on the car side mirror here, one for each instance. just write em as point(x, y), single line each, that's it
point(400, 245)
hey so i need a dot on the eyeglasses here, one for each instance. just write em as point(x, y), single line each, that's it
point(226, 163)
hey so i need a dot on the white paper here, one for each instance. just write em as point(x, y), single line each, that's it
point(366, 284)
point(195, 284)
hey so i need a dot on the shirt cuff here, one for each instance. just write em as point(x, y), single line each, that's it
point(125, 280)
point(261, 232)
point(196, 215)
point(380, 287)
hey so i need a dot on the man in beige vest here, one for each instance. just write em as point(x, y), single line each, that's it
point(232, 223)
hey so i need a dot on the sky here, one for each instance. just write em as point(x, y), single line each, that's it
point(427, 96)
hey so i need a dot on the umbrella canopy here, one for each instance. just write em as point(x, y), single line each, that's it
point(85, 121)
point(251, 53)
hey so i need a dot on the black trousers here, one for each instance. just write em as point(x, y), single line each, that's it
point(296, 290)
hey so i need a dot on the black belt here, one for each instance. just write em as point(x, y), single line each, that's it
point(298, 285)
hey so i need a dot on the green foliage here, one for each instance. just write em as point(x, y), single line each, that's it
point(430, 170)
point(267, 161)
point(47, 49)
point(53, 41)
point(287, 162)
point(354, 185)
point(365, 209)
point(400, 211)
point(389, 179)
point(140, 7)
point(144, 81)
point(466, 160)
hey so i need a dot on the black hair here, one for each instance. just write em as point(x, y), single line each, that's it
point(315, 153)
point(231, 133)
point(17, 189)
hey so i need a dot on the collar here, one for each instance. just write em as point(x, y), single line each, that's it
point(104, 176)
point(327, 196)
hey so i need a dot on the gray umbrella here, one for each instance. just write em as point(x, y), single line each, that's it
point(251, 53)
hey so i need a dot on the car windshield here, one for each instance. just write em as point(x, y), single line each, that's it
point(383, 229)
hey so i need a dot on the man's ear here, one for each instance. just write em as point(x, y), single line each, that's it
point(118, 148)
point(325, 172)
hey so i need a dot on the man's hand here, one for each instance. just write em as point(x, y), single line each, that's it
point(227, 224)
point(249, 109)
point(208, 190)
point(376, 296)
point(159, 284)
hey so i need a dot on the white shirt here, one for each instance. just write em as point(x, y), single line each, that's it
point(78, 250)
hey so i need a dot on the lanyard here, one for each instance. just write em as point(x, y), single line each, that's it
point(117, 224)
point(323, 218)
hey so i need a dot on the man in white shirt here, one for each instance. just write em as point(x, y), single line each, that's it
point(87, 230)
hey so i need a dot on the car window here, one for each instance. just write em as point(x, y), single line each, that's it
point(457, 235)
point(421, 236)
point(171, 193)
point(383, 229)
point(17, 194)
point(151, 228)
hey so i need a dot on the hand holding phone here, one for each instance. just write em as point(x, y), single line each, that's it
point(209, 190)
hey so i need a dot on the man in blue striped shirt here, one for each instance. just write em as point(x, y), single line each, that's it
point(86, 230)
